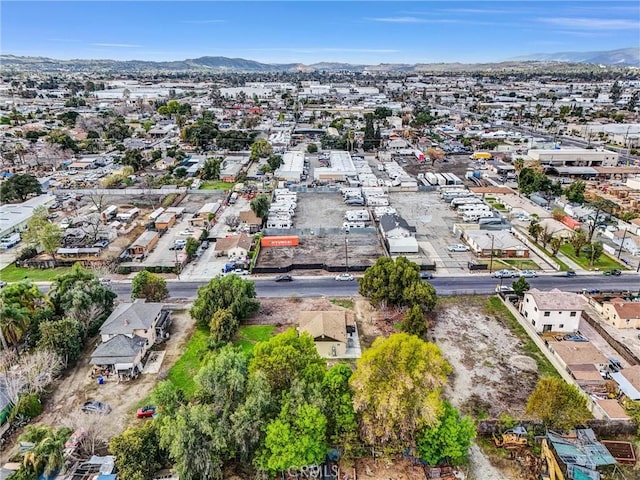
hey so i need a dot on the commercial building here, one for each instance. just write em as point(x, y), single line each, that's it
point(501, 242)
point(292, 167)
point(342, 166)
point(14, 217)
point(574, 157)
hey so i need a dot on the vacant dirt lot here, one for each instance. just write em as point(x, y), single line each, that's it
point(284, 312)
point(491, 373)
point(327, 249)
point(63, 406)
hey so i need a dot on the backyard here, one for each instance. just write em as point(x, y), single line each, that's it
point(249, 335)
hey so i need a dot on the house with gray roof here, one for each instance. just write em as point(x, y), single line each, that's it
point(130, 330)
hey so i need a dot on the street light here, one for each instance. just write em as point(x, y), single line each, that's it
point(491, 257)
point(346, 250)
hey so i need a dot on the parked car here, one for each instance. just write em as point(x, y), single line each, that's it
point(344, 277)
point(570, 273)
point(458, 248)
point(241, 271)
point(614, 364)
point(95, 407)
point(147, 411)
point(426, 275)
point(614, 272)
point(528, 274)
point(505, 274)
point(205, 244)
point(105, 281)
point(284, 278)
point(186, 233)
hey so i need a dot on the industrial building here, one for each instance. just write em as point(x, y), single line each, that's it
point(292, 167)
point(574, 157)
point(342, 166)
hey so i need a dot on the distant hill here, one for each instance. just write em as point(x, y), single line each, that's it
point(622, 57)
point(549, 61)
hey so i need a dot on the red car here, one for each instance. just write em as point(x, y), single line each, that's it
point(147, 412)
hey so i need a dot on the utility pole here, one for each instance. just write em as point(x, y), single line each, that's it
point(491, 257)
point(346, 251)
point(622, 242)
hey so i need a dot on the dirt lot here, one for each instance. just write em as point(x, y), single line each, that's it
point(320, 210)
point(283, 312)
point(329, 249)
point(63, 406)
point(491, 375)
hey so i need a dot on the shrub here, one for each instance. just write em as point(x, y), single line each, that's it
point(28, 406)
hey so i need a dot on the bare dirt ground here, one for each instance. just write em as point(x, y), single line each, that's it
point(63, 405)
point(284, 312)
point(491, 375)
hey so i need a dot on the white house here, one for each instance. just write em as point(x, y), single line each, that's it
point(552, 311)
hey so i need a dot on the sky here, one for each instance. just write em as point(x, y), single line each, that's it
point(311, 31)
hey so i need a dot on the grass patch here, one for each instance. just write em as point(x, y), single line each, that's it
point(211, 185)
point(603, 263)
point(563, 266)
point(183, 371)
point(341, 302)
point(496, 308)
point(523, 264)
point(11, 273)
point(249, 335)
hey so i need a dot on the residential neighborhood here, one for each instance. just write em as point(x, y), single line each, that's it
point(221, 268)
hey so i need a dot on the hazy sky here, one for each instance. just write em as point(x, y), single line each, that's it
point(305, 31)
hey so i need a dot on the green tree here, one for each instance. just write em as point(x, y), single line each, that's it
point(47, 455)
point(575, 192)
point(78, 294)
point(341, 418)
point(286, 357)
point(558, 404)
point(211, 169)
point(229, 292)
point(14, 324)
point(43, 234)
point(296, 439)
point(19, 187)
point(594, 251)
point(414, 322)
point(397, 386)
point(260, 149)
point(599, 206)
point(133, 158)
point(191, 247)
point(448, 440)
point(535, 229)
point(382, 112)
point(63, 337)
point(196, 442)
point(397, 282)
point(223, 326)
point(275, 162)
point(137, 452)
point(555, 243)
point(260, 206)
point(520, 286)
point(369, 142)
point(149, 286)
point(222, 380)
point(312, 148)
point(578, 240)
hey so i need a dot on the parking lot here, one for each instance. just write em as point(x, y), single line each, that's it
point(434, 221)
point(162, 255)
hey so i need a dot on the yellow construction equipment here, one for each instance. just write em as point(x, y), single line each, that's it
point(553, 471)
point(512, 439)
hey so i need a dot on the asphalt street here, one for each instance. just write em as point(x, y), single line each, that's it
point(459, 285)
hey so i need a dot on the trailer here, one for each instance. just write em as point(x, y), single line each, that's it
point(474, 207)
point(357, 215)
point(456, 202)
point(475, 216)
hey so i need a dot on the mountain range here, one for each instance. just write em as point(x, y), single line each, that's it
point(621, 57)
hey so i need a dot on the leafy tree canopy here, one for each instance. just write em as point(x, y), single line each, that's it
point(558, 404)
point(149, 286)
point(229, 292)
point(397, 387)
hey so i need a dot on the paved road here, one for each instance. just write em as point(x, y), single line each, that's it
point(468, 284)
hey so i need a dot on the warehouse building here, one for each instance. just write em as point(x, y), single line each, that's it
point(292, 167)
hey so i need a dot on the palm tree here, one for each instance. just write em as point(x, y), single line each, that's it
point(14, 322)
point(47, 456)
